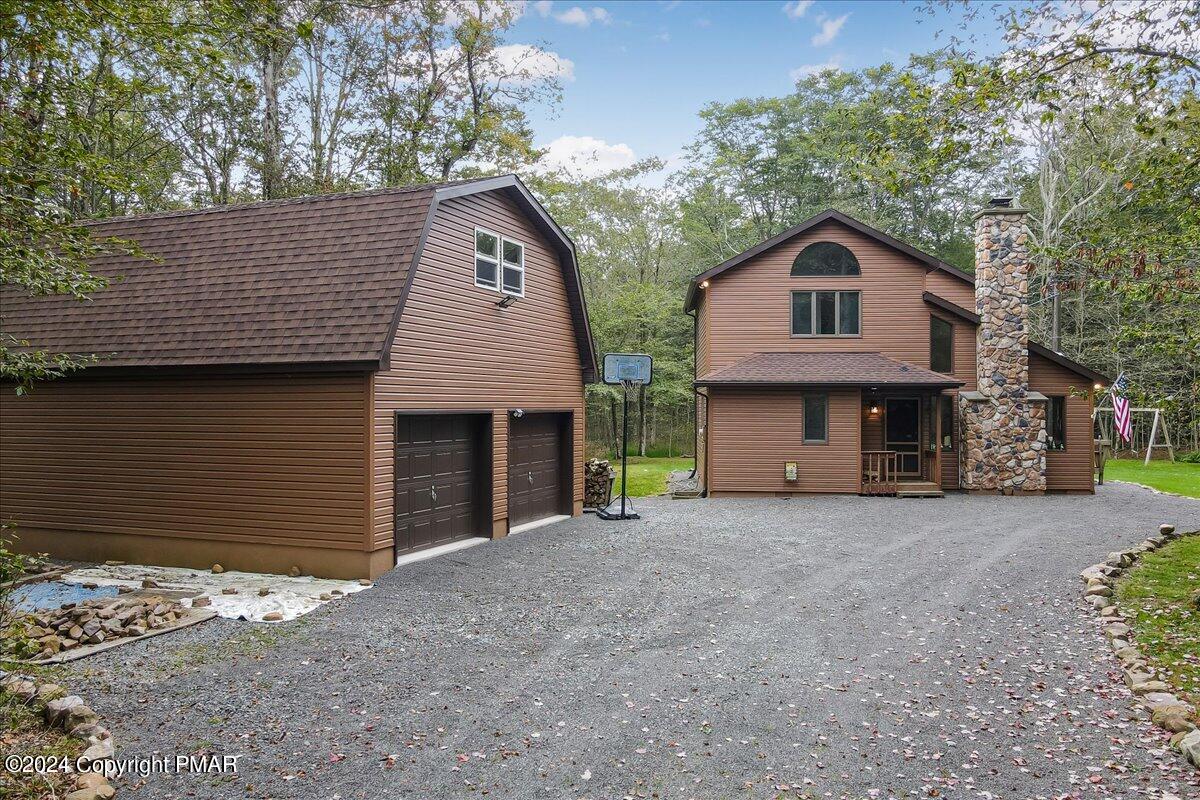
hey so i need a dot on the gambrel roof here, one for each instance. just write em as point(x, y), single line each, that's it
point(305, 283)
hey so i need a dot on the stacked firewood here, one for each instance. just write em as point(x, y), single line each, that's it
point(597, 483)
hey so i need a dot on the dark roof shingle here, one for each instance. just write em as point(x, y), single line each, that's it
point(309, 280)
point(825, 369)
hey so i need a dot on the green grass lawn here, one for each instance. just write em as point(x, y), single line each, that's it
point(648, 476)
point(1155, 599)
point(1177, 477)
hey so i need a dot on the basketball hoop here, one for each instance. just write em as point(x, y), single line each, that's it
point(629, 371)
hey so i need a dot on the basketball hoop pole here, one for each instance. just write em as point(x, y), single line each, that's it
point(624, 443)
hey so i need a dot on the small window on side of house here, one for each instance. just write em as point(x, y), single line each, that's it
point(513, 268)
point(1056, 423)
point(487, 259)
point(946, 409)
point(941, 345)
point(816, 418)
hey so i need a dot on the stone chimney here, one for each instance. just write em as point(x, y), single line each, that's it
point(1003, 423)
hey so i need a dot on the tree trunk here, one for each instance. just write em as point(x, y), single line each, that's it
point(642, 421)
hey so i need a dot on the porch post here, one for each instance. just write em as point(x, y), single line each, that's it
point(937, 440)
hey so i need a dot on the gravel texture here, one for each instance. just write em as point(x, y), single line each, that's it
point(818, 647)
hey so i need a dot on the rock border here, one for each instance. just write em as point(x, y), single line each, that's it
point(1167, 710)
point(67, 711)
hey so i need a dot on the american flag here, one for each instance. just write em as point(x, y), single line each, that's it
point(1121, 416)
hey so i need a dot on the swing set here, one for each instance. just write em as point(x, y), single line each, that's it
point(1142, 437)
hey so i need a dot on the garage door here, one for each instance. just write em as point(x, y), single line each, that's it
point(441, 479)
point(537, 455)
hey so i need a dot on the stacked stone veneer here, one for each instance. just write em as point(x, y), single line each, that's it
point(1003, 425)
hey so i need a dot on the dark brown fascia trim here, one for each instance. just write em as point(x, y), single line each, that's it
point(929, 261)
point(1034, 347)
point(837, 385)
point(952, 308)
point(517, 191)
point(102, 372)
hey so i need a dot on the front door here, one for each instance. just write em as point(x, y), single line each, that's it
point(902, 433)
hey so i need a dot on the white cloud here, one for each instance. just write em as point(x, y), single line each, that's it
point(808, 70)
point(586, 156)
point(795, 9)
point(584, 17)
point(542, 7)
point(532, 63)
point(664, 36)
point(830, 27)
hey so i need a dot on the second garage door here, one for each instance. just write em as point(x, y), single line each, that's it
point(539, 484)
point(442, 479)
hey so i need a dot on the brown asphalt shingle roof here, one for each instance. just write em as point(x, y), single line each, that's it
point(825, 369)
point(309, 280)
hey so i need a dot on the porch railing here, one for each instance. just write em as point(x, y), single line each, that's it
point(879, 472)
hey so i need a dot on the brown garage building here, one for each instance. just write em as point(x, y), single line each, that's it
point(329, 382)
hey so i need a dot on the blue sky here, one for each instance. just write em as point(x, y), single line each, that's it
point(640, 71)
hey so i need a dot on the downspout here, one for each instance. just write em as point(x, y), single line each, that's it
point(695, 395)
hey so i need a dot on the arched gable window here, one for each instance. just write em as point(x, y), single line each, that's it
point(825, 259)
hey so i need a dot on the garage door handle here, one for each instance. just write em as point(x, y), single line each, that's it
point(433, 493)
point(531, 479)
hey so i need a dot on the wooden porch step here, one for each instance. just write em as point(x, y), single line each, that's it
point(918, 489)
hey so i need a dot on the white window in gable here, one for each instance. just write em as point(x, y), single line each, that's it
point(513, 274)
point(487, 259)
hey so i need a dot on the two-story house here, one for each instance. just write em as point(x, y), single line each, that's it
point(332, 382)
point(835, 358)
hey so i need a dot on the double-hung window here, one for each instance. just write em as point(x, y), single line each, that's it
point(499, 263)
point(487, 259)
point(826, 313)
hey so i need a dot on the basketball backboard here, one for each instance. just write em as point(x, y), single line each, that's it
point(620, 368)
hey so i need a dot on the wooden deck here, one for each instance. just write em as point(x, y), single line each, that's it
point(918, 489)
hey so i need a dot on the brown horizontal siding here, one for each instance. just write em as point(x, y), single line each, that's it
point(951, 288)
point(455, 350)
point(749, 307)
point(754, 432)
point(254, 460)
point(1070, 469)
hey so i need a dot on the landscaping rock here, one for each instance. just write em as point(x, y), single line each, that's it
point(1100, 590)
point(1167, 530)
point(90, 780)
point(49, 691)
point(264, 591)
point(1189, 745)
point(229, 590)
point(201, 601)
point(105, 792)
point(1117, 630)
point(364, 582)
point(57, 710)
point(148, 583)
point(79, 715)
point(272, 616)
point(96, 621)
point(294, 572)
point(22, 690)
point(1172, 718)
point(1134, 677)
point(217, 569)
point(1149, 687)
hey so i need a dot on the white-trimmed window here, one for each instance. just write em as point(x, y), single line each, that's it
point(487, 259)
point(499, 263)
point(512, 273)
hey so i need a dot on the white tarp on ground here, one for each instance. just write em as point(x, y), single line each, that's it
point(290, 596)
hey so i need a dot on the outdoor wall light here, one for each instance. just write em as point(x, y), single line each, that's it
point(1098, 387)
point(703, 284)
point(518, 413)
point(507, 301)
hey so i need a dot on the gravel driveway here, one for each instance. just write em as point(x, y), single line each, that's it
point(821, 647)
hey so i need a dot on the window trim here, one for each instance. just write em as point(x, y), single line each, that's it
point(837, 314)
point(934, 319)
point(491, 259)
point(518, 267)
point(824, 396)
point(1061, 401)
point(857, 265)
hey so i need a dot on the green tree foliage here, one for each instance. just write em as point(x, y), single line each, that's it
point(634, 280)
